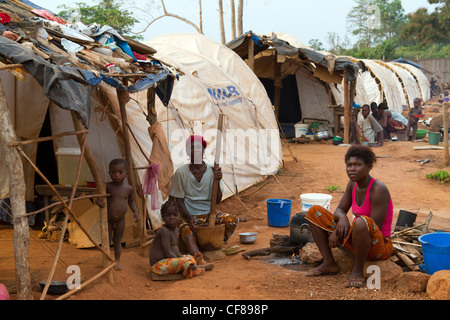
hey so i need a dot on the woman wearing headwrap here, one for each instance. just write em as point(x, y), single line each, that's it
point(192, 188)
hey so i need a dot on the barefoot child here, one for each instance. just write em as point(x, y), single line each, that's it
point(413, 120)
point(121, 196)
point(165, 256)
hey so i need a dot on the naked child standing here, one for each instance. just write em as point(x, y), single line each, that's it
point(120, 198)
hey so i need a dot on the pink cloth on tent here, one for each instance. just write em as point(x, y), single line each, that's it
point(150, 185)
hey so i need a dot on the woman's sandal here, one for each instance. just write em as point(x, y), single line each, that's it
point(233, 250)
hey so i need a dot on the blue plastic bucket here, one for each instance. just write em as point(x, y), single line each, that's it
point(278, 212)
point(436, 251)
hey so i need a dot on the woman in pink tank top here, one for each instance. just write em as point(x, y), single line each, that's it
point(367, 236)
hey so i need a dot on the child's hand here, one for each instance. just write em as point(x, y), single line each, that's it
point(136, 218)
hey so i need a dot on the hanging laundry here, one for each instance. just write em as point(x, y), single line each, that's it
point(150, 185)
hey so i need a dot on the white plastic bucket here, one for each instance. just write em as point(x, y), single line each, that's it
point(315, 199)
point(301, 129)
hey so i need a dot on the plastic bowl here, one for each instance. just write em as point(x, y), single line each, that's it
point(421, 133)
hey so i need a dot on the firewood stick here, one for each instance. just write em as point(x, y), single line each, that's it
point(409, 263)
point(406, 243)
point(427, 222)
point(407, 230)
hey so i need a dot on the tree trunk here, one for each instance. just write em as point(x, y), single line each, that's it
point(222, 26)
point(17, 197)
point(233, 20)
point(240, 20)
point(200, 16)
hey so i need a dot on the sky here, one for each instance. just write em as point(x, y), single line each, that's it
point(304, 19)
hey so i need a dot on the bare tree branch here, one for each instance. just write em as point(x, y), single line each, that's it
point(172, 15)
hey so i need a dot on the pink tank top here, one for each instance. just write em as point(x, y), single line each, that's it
point(366, 209)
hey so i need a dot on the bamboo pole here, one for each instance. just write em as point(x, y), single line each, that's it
point(17, 196)
point(68, 294)
point(446, 151)
point(66, 220)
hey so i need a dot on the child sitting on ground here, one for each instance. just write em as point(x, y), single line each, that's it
point(121, 196)
point(413, 120)
point(165, 256)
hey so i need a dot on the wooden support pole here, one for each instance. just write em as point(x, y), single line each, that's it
point(122, 96)
point(347, 113)
point(101, 188)
point(66, 220)
point(89, 196)
point(37, 140)
point(277, 85)
point(152, 117)
point(215, 188)
point(446, 151)
point(251, 53)
point(17, 196)
point(73, 217)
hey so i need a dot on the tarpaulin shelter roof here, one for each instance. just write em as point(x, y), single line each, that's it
point(64, 59)
point(338, 64)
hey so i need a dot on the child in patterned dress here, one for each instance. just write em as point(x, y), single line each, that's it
point(165, 256)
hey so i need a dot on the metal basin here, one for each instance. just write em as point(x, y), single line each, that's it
point(247, 237)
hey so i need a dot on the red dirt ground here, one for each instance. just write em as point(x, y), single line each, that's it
point(235, 278)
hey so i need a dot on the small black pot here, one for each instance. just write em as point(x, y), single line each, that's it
point(299, 229)
point(55, 287)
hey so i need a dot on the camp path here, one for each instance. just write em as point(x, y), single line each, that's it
point(236, 278)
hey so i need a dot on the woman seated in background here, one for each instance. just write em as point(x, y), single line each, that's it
point(391, 121)
point(370, 132)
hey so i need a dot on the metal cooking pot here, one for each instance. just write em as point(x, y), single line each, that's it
point(299, 229)
point(322, 135)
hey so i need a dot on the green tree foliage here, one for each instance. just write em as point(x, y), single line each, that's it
point(392, 16)
point(417, 35)
point(106, 12)
point(426, 28)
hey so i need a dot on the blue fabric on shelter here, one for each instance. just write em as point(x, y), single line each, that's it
point(125, 47)
point(255, 39)
point(6, 213)
point(402, 60)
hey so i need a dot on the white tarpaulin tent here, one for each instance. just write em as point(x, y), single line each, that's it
point(410, 84)
point(217, 80)
point(421, 78)
point(381, 82)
